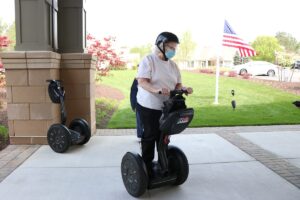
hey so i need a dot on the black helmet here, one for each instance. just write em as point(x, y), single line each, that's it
point(166, 37)
point(163, 38)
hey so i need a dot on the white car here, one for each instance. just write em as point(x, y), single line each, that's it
point(257, 68)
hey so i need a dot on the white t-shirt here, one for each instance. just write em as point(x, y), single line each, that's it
point(162, 74)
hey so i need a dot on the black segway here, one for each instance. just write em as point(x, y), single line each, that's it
point(59, 137)
point(172, 167)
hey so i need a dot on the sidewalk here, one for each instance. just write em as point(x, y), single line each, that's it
point(231, 163)
point(13, 156)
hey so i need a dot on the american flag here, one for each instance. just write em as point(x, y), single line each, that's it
point(230, 39)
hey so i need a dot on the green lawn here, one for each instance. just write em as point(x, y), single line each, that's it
point(256, 104)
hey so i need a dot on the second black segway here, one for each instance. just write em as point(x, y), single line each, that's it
point(59, 136)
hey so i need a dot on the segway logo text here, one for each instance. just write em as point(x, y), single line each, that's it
point(183, 120)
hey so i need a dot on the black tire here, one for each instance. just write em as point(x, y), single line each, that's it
point(243, 71)
point(81, 126)
point(271, 73)
point(134, 174)
point(178, 164)
point(59, 138)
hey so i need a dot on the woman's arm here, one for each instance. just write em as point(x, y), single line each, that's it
point(146, 85)
point(178, 86)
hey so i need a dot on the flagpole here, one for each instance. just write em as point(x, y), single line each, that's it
point(217, 78)
point(218, 66)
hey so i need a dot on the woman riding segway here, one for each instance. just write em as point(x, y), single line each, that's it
point(157, 73)
point(157, 76)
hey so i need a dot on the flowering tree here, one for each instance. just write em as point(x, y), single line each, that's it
point(4, 42)
point(108, 58)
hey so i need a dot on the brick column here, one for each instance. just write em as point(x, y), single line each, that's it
point(30, 110)
point(78, 76)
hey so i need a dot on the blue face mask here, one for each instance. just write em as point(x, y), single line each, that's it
point(170, 53)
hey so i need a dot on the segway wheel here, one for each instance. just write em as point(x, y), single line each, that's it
point(134, 174)
point(59, 138)
point(178, 164)
point(81, 126)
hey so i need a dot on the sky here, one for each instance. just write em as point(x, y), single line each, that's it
point(138, 22)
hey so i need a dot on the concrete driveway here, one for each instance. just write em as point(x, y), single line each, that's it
point(223, 166)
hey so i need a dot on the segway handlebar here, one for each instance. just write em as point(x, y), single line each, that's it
point(175, 92)
point(49, 80)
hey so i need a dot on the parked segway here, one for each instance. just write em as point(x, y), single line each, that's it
point(172, 167)
point(59, 137)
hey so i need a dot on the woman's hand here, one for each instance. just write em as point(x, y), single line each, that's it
point(164, 91)
point(188, 89)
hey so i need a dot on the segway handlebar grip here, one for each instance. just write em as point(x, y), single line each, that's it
point(174, 92)
point(180, 92)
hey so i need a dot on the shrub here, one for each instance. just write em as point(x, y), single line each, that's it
point(102, 72)
point(2, 79)
point(232, 74)
point(206, 71)
point(246, 76)
point(104, 110)
point(117, 67)
point(134, 67)
point(222, 73)
point(3, 137)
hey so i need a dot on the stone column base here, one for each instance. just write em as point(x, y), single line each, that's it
point(29, 108)
point(78, 76)
point(28, 140)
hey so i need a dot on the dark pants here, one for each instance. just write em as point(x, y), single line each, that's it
point(139, 124)
point(150, 120)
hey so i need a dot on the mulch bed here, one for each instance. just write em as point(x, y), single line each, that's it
point(291, 87)
point(108, 92)
point(104, 122)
